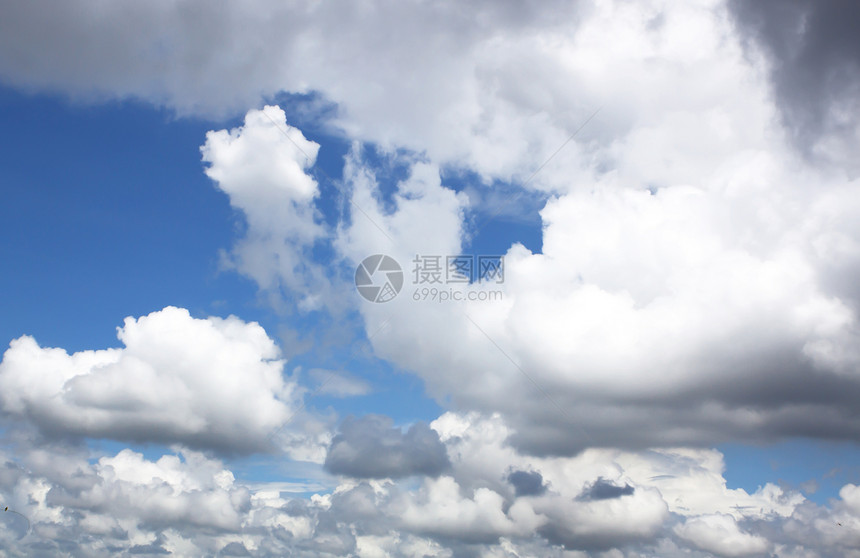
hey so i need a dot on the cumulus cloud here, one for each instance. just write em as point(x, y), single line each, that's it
point(370, 447)
point(189, 504)
point(121, 502)
point(603, 524)
point(687, 291)
point(501, 88)
point(439, 510)
point(187, 488)
point(424, 216)
point(720, 534)
point(689, 277)
point(262, 166)
point(696, 281)
point(207, 383)
point(692, 329)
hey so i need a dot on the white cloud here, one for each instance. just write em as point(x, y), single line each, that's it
point(492, 86)
point(604, 524)
point(692, 483)
point(191, 489)
point(210, 383)
point(685, 306)
point(262, 166)
point(686, 241)
point(697, 281)
point(439, 509)
point(122, 501)
point(193, 505)
point(426, 216)
point(681, 281)
point(687, 482)
point(721, 535)
point(201, 60)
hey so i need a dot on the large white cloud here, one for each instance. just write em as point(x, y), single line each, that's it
point(693, 281)
point(208, 383)
point(691, 315)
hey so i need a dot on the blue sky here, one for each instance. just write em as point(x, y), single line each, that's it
point(91, 243)
point(110, 215)
point(679, 312)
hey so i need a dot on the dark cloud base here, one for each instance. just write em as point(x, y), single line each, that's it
point(369, 447)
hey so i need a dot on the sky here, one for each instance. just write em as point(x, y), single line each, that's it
point(450, 279)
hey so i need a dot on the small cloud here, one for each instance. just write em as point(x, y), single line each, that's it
point(527, 483)
point(605, 490)
point(810, 487)
point(338, 384)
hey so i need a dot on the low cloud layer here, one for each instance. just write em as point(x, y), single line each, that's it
point(189, 504)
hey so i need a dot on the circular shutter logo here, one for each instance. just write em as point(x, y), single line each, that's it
point(378, 278)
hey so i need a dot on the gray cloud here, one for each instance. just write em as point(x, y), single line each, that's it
point(604, 490)
point(556, 534)
point(179, 55)
point(788, 395)
point(814, 49)
point(151, 549)
point(369, 447)
point(235, 549)
point(527, 483)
